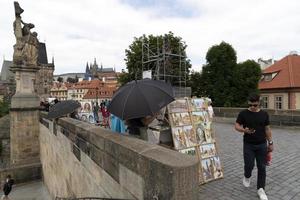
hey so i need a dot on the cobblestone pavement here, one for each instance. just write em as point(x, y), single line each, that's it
point(29, 191)
point(283, 176)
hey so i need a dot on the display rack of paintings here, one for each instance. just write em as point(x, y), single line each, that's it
point(191, 125)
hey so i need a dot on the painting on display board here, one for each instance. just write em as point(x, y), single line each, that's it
point(180, 119)
point(200, 117)
point(218, 171)
point(86, 107)
point(197, 104)
point(87, 117)
point(179, 105)
point(193, 151)
point(183, 137)
point(203, 133)
point(86, 113)
point(200, 133)
point(193, 135)
point(208, 150)
point(207, 169)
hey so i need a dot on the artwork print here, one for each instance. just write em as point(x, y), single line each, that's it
point(181, 119)
point(196, 104)
point(189, 151)
point(217, 168)
point(179, 105)
point(207, 150)
point(207, 169)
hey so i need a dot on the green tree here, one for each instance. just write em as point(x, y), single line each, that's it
point(223, 80)
point(195, 80)
point(218, 74)
point(124, 78)
point(247, 76)
point(60, 79)
point(72, 80)
point(173, 64)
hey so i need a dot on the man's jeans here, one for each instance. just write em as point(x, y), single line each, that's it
point(258, 152)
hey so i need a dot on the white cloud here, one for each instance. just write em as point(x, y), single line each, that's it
point(76, 31)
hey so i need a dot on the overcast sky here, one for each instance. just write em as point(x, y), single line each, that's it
point(77, 31)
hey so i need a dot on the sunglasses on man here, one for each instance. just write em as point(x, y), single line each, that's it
point(252, 105)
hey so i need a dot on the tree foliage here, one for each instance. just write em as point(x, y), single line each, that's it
point(124, 78)
point(169, 65)
point(72, 80)
point(195, 79)
point(60, 79)
point(247, 76)
point(223, 80)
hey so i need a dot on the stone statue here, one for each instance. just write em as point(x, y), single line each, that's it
point(26, 47)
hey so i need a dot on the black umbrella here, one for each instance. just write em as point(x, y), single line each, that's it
point(63, 108)
point(140, 98)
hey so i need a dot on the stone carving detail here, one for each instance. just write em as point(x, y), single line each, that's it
point(26, 47)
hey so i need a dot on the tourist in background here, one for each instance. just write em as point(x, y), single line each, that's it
point(254, 124)
point(7, 187)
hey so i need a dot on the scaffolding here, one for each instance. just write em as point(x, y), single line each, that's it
point(158, 58)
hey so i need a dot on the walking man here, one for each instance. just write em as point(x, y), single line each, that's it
point(254, 124)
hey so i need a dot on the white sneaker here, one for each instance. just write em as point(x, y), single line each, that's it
point(262, 195)
point(246, 182)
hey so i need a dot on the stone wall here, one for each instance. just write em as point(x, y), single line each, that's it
point(24, 137)
point(4, 140)
point(22, 173)
point(80, 159)
point(277, 117)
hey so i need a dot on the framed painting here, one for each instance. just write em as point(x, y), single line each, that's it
point(208, 150)
point(179, 138)
point(217, 167)
point(190, 151)
point(196, 104)
point(200, 133)
point(207, 169)
point(180, 119)
point(179, 105)
point(190, 135)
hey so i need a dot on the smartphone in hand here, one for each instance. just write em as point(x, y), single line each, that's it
point(252, 130)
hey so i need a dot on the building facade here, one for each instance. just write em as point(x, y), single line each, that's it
point(60, 90)
point(280, 84)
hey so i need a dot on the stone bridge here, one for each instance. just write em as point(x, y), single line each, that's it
point(81, 160)
point(70, 163)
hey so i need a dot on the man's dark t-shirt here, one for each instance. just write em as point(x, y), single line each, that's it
point(254, 120)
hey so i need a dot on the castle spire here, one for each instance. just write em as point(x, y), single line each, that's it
point(87, 69)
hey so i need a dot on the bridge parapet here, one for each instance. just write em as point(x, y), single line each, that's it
point(277, 117)
point(80, 159)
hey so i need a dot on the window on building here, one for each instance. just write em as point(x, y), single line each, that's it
point(265, 102)
point(268, 77)
point(278, 102)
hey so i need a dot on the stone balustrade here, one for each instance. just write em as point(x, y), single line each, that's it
point(80, 159)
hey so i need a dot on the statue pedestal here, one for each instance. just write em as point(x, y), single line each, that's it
point(24, 118)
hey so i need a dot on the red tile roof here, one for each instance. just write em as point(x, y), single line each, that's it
point(89, 84)
point(288, 69)
point(103, 92)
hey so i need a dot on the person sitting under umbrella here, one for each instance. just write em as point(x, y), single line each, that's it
point(134, 125)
